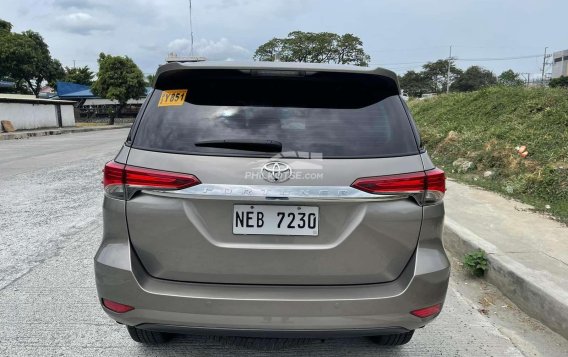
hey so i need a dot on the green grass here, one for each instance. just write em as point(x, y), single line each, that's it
point(488, 125)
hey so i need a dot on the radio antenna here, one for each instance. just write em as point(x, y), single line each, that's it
point(190, 28)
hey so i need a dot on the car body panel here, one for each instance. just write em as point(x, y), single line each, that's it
point(268, 307)
point(375, 240)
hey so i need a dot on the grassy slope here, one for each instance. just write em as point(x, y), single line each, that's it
point(486, 127)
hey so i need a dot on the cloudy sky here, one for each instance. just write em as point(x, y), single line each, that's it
point(397, 34)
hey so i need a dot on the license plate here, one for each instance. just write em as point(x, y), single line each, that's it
point(276, 220)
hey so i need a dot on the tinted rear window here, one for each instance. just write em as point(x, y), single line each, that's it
point(330, 116)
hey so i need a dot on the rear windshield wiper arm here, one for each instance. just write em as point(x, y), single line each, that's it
point(249, 145)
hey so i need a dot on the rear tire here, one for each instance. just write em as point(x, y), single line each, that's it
point(393, 340)
point(148, 337)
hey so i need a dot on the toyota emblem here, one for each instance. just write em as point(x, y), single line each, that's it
point(276, 171)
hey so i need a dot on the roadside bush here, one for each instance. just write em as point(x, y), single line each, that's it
point(476, 262)
point(486, 127)
point(559, 82)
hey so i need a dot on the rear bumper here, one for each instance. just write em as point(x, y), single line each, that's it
point(273, 333)
point(261, 310)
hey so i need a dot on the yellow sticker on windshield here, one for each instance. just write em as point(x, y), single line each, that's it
point(172, 97)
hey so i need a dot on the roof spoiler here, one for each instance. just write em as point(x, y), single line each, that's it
point(286, 68)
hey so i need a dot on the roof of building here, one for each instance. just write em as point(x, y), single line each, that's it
point(100, 101)
point(68, 90)
point(74, 90)
point(25, 98)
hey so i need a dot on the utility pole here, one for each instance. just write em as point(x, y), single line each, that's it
point(448, 75)
point(543, 65)
point(73, 63)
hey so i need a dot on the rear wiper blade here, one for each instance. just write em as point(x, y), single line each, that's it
point(249, 145)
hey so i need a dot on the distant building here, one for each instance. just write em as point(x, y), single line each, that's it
point(78, 92)
point(89, 106)
point(28, 112)
point(47, 92)
point(560, 64)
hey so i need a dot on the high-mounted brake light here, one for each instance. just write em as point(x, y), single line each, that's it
point(122, 181)
point(427, 187)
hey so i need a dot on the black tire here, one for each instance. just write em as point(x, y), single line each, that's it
point(148, 337)
point(393, 340)
point(259, 343)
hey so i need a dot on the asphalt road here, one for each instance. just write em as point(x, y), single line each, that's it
point(50, 227)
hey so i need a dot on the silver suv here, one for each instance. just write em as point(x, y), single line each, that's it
point(273, 199)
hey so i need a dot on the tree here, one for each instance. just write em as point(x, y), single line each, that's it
point(150, 79)
point(510, 78)
point(314, 47)
point(119, 79)
point(561, 82)
point(474, 78)
point(80, 75)
point(437, 73)
point(25, 58)
point(5, 26)
point(414, 83)
point(350, 51)
point(269, 51)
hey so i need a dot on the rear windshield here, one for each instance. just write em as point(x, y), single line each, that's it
point(329, 116)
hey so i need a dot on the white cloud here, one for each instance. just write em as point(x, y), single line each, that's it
point(221, 49)
point(78, 30)
point(179, 45)
point(81, 23)
point(77, 4)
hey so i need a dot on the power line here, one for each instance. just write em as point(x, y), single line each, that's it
point(409, 49)
point(496, 47)
point(460, 59)
point(497, 58)
point(398, 63)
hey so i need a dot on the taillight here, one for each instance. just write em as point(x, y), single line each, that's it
point(122, 181)
point(155, 179)
point(113, 179)
point(427, 187)
point(435, 186)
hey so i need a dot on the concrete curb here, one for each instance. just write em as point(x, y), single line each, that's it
point(30, 134)
point(536, 295)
